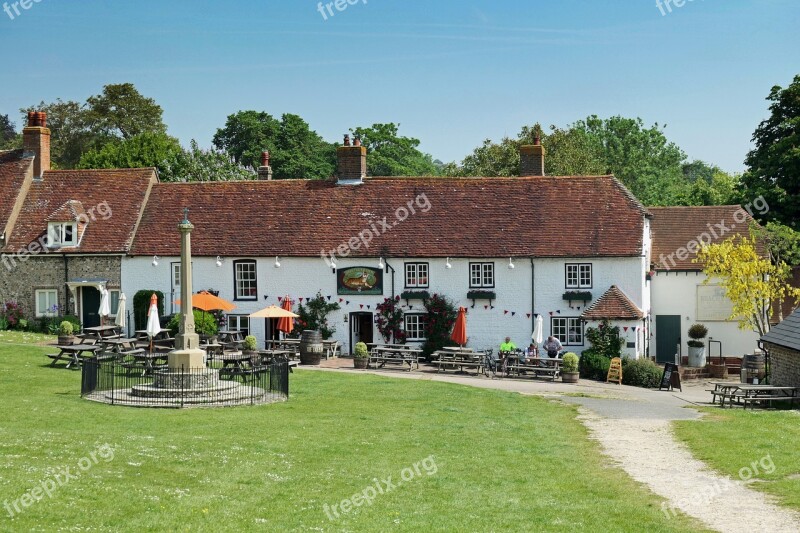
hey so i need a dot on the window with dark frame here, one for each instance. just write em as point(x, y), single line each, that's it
point(578, 275)
point(245, 280)
point(415, 327)
point(568, 330)
point(481, 275)
point(417, 275)
point(239, 323)
point(62, 234)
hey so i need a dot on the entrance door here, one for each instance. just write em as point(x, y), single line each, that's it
point(90, 306)
point(360, 329)
point(668, 338)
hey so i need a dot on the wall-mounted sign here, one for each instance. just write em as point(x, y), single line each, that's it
point(359, 280)
point(712, 304)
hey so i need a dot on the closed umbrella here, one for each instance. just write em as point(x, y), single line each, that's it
point(121, 319)
point(537, 336)
point(105, 304)
point(459, 335)
point(286, 324)
point(153, 325)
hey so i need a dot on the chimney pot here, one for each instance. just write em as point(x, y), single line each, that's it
point(346, 139)
point(357, 141)
point(537, 140)
point(265, 158)
point(31, 118)
point(265, 171)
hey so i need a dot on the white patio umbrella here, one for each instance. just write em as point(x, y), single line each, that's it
point(122, 319)
point(105, 304)
point(537, 331)
point(153, 325)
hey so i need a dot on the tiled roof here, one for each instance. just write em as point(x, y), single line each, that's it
point(13, 168)
point(674, 228)
point(467, 217)
point(613, 305)
point(787, 333)
point(122, 191)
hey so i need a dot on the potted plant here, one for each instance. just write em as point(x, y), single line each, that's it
point(697, 348)
point(569, 368)
point(360, 355)
point(65, 330)
point(249, 345)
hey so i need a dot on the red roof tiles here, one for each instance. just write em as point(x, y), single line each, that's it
point(112, 200)
point(459, 217)
point(613, 305)
point(13, 169)
point(673, 228)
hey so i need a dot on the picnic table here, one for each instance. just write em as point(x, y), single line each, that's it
point(745, 393)
point(73, 353)
point(148, 362)
point(514, 364)
point(101, 332)
point(459, 359)
point(120, 346)
point(386, 354)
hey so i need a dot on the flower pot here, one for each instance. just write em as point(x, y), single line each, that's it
point(66, 340)
point(360, 362)
point(697, 356)
point(718, 371)
point(569, 377)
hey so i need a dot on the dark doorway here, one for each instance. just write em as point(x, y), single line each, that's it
point(271, 329)
point(668, 338)
point(360, 329)
point(90, 306)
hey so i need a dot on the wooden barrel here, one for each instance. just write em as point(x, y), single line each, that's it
point(310, 347)
point(754, 366)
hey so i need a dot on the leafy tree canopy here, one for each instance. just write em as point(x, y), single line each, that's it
point(390, 154)
point(9, 138)
point(774, 165)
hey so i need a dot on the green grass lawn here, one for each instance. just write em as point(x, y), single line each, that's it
point(485, 460)
point(733, 439)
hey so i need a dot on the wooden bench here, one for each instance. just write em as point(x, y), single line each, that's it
point(383, 360)
point(535, 370)
point(443, 362)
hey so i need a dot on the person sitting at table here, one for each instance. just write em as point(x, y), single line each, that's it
point(507, 346)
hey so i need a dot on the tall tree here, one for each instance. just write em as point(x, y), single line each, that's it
point(774, 165)
point(144, 150)
point(71, 135)
point(297, 151)
point(7, 131)
point(197, 164)
point(121, 111)
point(391, 154)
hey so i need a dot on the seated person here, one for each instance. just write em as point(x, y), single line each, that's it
point(507, 346)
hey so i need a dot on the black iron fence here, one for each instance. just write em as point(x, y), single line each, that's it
point(120, 383)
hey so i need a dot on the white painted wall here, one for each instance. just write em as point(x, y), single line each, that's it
point(675, 293)
point(486, 328)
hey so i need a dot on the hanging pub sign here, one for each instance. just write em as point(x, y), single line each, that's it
point(359, 280)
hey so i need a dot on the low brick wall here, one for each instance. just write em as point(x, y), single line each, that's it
point(785, 366)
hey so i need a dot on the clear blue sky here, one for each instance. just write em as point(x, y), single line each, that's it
point(452, 73)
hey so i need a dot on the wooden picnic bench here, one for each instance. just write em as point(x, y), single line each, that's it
point(535, 365)
point(381, 356)
point(449, 359)
point(744, 393)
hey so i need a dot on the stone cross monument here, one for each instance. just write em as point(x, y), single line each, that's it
point(187, 354)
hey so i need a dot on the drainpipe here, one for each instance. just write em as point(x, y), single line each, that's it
point(66, 281)
point(388, 267)
point(533, 296)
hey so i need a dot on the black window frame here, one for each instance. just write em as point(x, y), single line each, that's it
point(578, 285)
point(236, 296)
point(422, 318)
point(417, 264)
point(482, 284)
point(239, 318)
point(568, 319)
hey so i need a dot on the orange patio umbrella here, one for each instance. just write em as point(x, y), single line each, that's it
point(208, 302)
point(286, 324)
point(459, 335)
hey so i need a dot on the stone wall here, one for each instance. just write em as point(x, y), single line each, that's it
point(23, 278)
point(785, 366)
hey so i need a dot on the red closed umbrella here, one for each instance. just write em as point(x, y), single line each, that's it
point(459, 335)
point(286, 324)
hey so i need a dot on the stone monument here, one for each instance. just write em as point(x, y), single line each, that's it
point(187, 354)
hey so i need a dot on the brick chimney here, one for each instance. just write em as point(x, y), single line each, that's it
point(265, 171)
point(531, 158)
point(351, 162)
point(36, 139)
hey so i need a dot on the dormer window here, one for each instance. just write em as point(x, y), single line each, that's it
point(61, 234)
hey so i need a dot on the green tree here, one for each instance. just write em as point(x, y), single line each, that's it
point(782, 241)
point(71, 135)
point(296, 150)
point(440, 317)
point(314, 316)
point(390, 154)
point(144, 150)
point(123, 112)
point(8, 133)
point(721, 189)
point(197, 164)
point(774, 165)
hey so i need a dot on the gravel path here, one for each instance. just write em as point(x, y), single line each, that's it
point(633, 428)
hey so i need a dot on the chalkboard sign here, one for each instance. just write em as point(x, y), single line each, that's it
point(671, 378)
